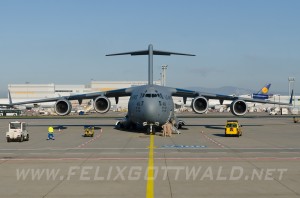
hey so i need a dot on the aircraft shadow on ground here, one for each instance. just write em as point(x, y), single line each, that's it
point(219, 134)
point(221, 127)
point(62, 126)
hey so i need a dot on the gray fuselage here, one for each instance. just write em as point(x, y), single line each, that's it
point(150, 104)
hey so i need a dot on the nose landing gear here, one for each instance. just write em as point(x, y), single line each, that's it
point(151, 129)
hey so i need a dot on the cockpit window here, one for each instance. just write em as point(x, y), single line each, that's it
point(151, 95)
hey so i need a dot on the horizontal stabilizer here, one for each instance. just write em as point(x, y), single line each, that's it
point(146, 52)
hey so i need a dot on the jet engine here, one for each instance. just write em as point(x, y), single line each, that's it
point(238, 107)
point(62, 107)
point(102, 104)
point(200, 104)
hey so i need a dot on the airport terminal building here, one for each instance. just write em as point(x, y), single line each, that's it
point(38, 91)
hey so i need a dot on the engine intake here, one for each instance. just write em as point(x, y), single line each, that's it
point(200, 105)
point(102, 104)
point(238, 107)
point(62, 107)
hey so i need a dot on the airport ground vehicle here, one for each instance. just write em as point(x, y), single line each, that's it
point(273, 113)
point(88, 131)
point(17, 132)
point(233, 127)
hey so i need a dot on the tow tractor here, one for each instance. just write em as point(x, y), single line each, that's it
point(17, 132)
point(233, 128)
point(88, 131)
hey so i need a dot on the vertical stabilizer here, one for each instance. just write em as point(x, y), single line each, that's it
point(9, 98)
point(150, 65)
point(265, 89)
point(291, 99)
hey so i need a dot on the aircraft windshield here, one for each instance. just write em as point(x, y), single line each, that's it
point(15, 125)
point(152, 95)
point(232, 125)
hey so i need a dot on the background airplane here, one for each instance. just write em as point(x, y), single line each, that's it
point(262, 94)
point(150, 105)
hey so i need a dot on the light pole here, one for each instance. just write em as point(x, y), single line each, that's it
point(164, 75)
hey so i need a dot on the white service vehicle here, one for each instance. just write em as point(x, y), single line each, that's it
point(17, 132)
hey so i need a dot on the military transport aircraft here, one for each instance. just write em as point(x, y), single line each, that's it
point(149, 105)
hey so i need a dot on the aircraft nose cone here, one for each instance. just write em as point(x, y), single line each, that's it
point(150, 112)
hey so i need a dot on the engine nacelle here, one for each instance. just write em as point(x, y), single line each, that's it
point(238, 107)
point(63, 107)
point(200, 104)
point(102, 104)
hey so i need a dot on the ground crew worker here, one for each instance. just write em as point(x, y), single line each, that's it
point(50, 133)
point(164, 127)
point(169, 129)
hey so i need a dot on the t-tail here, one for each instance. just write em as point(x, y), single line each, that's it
point(262, 94)
point(150, 52)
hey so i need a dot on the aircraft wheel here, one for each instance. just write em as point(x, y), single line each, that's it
point(8, 139)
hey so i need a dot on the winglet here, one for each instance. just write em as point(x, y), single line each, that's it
point(291, 99)
point(9, 98)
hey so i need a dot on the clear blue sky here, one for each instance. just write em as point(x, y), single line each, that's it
point(243, 43)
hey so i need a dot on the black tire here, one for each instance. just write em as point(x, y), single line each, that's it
point(27, 137)
point(8, 139)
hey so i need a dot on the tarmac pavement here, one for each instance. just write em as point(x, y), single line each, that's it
point(199, 162)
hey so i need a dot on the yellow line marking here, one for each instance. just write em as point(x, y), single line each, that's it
point(150, 175)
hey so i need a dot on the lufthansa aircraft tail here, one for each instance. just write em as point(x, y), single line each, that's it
point(262, 94)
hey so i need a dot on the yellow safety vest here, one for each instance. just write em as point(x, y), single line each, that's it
point(50, 129)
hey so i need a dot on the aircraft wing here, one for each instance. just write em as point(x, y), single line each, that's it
point(93, 95)
point(192, 94)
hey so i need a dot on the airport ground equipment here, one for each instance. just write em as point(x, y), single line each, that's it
point(296, 120)
point(17, 132)
point(89, 131)
point(273, 112)
point(233, 128)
